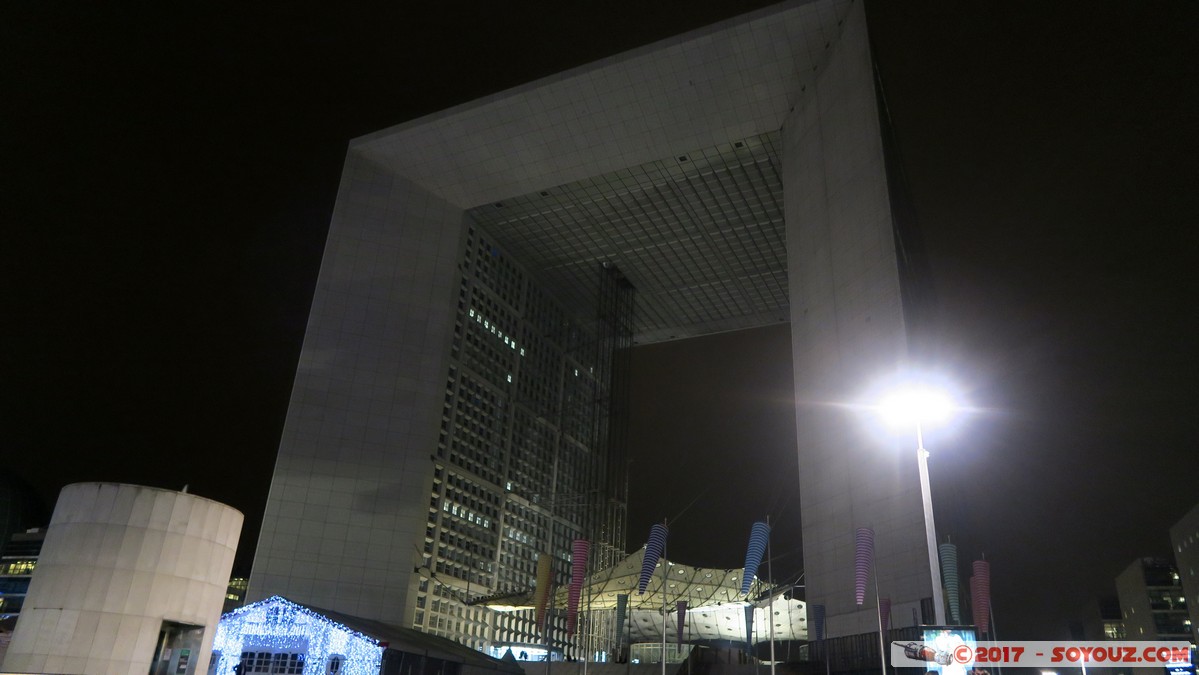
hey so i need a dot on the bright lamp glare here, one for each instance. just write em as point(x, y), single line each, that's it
point(916, 406)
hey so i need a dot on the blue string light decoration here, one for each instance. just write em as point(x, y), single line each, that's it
point(953, 584)
point(759, 534)
point(653, 551)
point(280, 626)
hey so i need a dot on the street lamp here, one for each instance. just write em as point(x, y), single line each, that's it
point(917, 407)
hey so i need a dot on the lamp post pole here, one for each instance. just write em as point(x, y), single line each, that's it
point(930, 530)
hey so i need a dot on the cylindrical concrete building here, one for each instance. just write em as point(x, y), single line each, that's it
point(130, 580)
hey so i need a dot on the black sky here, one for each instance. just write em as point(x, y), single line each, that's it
point(168, 174)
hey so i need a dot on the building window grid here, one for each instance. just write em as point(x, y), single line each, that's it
point(492, 266)
point(13, 568)
point(476, 416)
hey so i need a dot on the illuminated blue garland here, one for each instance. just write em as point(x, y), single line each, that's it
point(759, 537)
point(281, 626)
point(654, 548)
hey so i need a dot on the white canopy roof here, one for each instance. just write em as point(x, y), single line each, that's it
point(715, 604)
point(698, 586)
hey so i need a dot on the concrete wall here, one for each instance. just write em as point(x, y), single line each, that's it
point(847, 330)
point(717, 84)
point(117, 562)
point(350, 493)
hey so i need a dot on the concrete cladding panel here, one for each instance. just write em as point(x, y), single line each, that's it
point(351, 485)
point(715, 85)
point(847, 329)
point(119, 560)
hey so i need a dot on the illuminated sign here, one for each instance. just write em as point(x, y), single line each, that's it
point(950, 640)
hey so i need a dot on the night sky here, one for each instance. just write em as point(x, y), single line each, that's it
point(168, 175)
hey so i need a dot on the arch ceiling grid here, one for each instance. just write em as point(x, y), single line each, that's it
point(700, 235)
